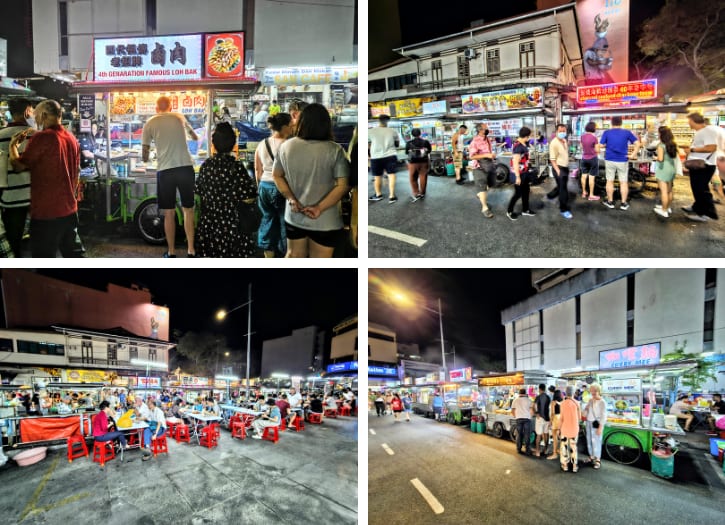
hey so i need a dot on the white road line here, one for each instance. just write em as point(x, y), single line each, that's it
point(387, 449)
point(415, 241)
point(372, 431)
point(427, 496)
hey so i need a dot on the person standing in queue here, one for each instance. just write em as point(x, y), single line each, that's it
point(702, 151)
point(589, 162)
point(521, 411)
point(665, 155)
point(481, 154)
point(175, 170)
point(457, 147)
point(53, 158)
point(521, 175)
point(617, 140)
point(559, 157)
point(384, 142)
point(418, 151)
point(570, 415)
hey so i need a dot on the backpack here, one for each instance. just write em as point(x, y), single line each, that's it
point(418, 151)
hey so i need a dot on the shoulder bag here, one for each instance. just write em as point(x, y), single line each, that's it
point(697, 164)
point(249, 214)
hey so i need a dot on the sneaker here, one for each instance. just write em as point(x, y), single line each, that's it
point(624, 206)
point(697, 218)
point(256, 436)
point(391, 200)
point(594, 197)
point(487, 213)
point(421, 195)
point(528, 213)
point(167, 255)
point(375, 198)
point(608, 204)
point(567, 215)
point(659, 206)
point(662, 213)
point(414, 198)
point(687, 209)
point(511, 215)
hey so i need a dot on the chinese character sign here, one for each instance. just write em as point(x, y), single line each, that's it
point(617, 93)
point(633, 356)
point(144, 103)
point(147, 59)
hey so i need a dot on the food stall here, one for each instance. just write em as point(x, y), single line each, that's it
point(130, 73)
point(497, 393)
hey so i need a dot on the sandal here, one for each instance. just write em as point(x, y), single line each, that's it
point(597, 464)
point(565, 468)
point(575, 468)
point(585, 195)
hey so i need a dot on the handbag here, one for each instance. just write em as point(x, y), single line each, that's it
point(250, 216)
point(697, 164)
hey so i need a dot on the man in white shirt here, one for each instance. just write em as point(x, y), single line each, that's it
point(383, 143)
point(295, 406)
point(175, 169)
point(521, 411)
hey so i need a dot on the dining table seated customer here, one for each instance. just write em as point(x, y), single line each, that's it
point(271, 418)
point(681, 409)
point(104, 428)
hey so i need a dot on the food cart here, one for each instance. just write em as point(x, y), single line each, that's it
point(497, 393)
point(130, 73)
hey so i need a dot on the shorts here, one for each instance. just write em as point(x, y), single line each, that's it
point(542, 426)
point(167, 183)
point(327, 238)
point(398, 411)
point(458, 160)
point(485, 176)
point(590, 166)
point(617, 169)
point(386, 164)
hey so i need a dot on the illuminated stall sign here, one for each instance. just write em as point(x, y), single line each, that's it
point(461, 374)
point(642, 355)
point(433, 108)
point(147, 59)
point(144, 103)
point(224, 55)
point(86, 376)
point(194, 381)
point(389, 371)
point(299, 76)
point(516, 379)
point(617, 93)
point(410, 107)
point(376, 110)
point(348, 366)
point(622, 386)
point(149, 382)
point(510, 99)
point(604, 31)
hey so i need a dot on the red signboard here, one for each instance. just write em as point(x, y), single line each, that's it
point(617, 93)
point(224, 55)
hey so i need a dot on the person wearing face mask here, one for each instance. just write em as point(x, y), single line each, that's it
point(53, 158)
point(15, 199)
point(559, 157)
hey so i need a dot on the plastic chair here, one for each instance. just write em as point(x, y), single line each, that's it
point(182, 434)
point(315, 417)
point(344, 411)
point(282, 424)
point(76, 447)
point(331, 412)
point(103, 451)
point(298, 424)
point(274, 436)
point(208, 437)
point(171, 428)
point(239, 430)
point(217, 430)
point(159, 446)
point(133, 440)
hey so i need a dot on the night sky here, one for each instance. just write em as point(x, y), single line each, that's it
point(283, 300)
point(472, 301)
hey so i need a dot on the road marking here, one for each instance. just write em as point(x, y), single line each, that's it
point(427, 496)
point(387, 449)
point(36, 494)
point(372, 431)
point(415, 241)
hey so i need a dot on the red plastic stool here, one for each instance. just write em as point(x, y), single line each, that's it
point(171, 428)
point(298, 424)
point(208, 437)
point(133, 440)
point(344, 411)
point(330, 412)
point(315, 417)
point(102, 451)
point(266, 435)
point(182, 434)
point(217, 431)
point(282, 425)
point(159, 446)
point(238, 430)
point(76, 447)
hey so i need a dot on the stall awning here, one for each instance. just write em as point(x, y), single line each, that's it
point(8, 86)
point(679, 107)
point(237, 86)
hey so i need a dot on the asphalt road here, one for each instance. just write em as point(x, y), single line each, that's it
point(480, 479)
point(307, 477)
point(449, 223)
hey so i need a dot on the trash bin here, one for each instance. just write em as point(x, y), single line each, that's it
point(481, 425)
point(474, 422)
point(450, 170)
point(663, 464)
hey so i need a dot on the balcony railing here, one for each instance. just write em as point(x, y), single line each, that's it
point(104, 362)
point(529, 73)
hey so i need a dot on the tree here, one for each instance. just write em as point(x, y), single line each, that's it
point(203, 350)
point(696, 376)
point(688, 33)
point(488, 364)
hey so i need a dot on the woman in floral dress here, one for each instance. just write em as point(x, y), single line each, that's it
point(223, 182)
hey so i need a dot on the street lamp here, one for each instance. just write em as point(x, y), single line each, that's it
point(403, 299)
point(221, 315)
point(148, 365)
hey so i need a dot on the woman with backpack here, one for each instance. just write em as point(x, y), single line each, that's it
point(418, 151)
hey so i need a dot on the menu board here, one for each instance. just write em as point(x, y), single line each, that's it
point(144, 103)
point(633, 385)
point(516, 379)
point(410, 107)
point(506, 100)
point(224, 53)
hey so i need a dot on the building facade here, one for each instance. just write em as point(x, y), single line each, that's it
point(565, 327)
point(298, 354)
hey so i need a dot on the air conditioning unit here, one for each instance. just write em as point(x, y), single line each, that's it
point(469, 53)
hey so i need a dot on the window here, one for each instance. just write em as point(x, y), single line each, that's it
point(132, 352)
point(493, 61)
point(376, 86)
point(6, 345)
point(152, 353)
point(527, 59)
point(710, 277)
point(710, 294)
point(541, 335)
point(381, 337)
point(578, 315)
point(464, 68)
point(630, 310)
point(112, 353)
point(513, 330)
point(400, 81)
point(33, 347)
point(86, 350)
point(151, 17)
point(436, 68)
point(63, 27)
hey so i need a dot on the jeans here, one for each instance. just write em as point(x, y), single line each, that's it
point(521, 192)
point(271, 235)
point(112, 436)
point(14, 221)
point(594, 441)
point(47, 236)
point(523, 434)
point(699, 183)
point(147, 436)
